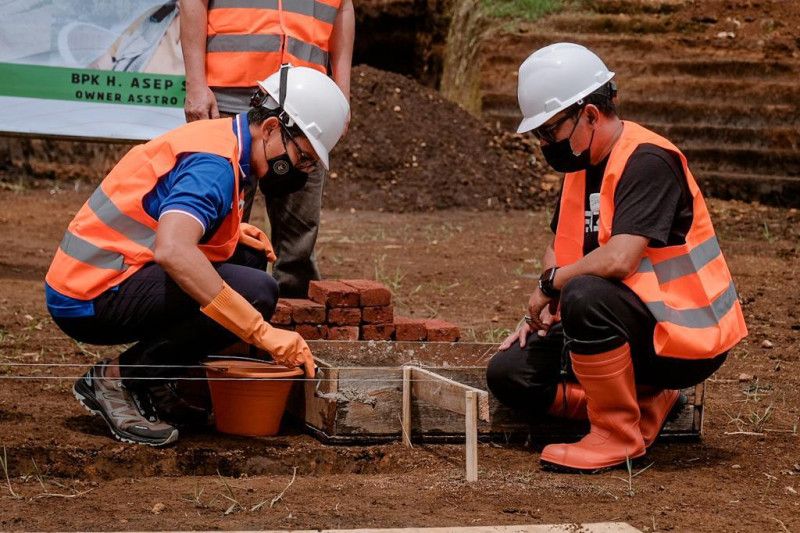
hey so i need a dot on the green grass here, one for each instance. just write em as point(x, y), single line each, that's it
point(521, 9)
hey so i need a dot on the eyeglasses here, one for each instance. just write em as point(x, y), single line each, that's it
point(547, 133)
point(305, 161)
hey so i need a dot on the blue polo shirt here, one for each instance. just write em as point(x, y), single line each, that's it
point(200, 185)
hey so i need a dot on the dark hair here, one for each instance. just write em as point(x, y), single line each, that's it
point(603, 99)
point(258, 114)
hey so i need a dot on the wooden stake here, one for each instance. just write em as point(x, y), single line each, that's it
point(699, 393)
point(406, 423)
point(471, 417)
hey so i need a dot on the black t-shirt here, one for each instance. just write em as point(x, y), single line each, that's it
point(652, 199)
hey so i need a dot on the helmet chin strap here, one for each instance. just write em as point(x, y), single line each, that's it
point(591, 140)
point(285, 119)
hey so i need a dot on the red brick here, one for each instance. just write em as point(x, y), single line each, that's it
point(306, 311)
point(409, 329)
point(312, 332)
point(439, 330)
point(371, 293)
point(333, 294)
point(378, 315)
point(282, 315)
point(377, 332)
point(344, 316)
point(343, 333)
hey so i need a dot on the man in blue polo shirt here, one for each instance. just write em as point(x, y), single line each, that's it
point(155, 256)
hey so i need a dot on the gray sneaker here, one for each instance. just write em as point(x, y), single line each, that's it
point(129, 415)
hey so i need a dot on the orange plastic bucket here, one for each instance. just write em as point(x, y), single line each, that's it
point(249, 397)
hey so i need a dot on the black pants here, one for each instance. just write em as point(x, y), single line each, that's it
point(597, 315)
point(166, 323)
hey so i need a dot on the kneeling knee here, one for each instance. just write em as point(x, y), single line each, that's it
point(515, 390)
point(497, 373)
point(578, 297)
point(263, 294)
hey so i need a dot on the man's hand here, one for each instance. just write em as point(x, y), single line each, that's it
point(548, 316)
point(200, 104)
point(520, 335)
point(230, 310)
point(536, 304)
point(289, 349)
point(253, 237)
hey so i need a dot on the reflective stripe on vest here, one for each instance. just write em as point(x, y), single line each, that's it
point(115, 219)
point(311, 8)
point(687, 287)
point(683, 265)
point(699, 317)
point(88, 253)
point(248, 40)
point(267, 43)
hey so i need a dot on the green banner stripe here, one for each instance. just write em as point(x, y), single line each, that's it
point(92, 86)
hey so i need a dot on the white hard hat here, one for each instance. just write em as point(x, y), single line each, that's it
point(313, 103)
point(555, 77)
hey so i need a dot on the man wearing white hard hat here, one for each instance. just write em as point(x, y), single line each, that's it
point(636, 300)
point(159, 256)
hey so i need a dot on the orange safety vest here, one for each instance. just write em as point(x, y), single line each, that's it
point(249, 39)
point(112, 236)
point(687, 287)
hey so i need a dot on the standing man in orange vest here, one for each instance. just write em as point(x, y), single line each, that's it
point(636, 300)
point(158, 255)
point(227, 46)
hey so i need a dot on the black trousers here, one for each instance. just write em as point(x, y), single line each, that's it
point(597, 315)
point(166, 323)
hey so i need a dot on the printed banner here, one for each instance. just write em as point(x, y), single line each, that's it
point(90, 68)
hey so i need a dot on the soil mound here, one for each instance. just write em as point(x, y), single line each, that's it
point(409, 149)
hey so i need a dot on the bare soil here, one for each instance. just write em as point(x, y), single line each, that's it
point(473, 268)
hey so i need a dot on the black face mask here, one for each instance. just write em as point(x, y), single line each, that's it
point(560, 156)
point(282, 176)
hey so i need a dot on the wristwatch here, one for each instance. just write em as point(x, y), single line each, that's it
point(546, 283)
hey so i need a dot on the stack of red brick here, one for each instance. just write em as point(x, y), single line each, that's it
point(352, 310)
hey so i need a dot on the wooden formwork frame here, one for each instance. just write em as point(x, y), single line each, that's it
point(358, 397)
point(473, 403)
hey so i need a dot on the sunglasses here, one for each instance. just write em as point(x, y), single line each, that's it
point(305, 161)
point(547, 133)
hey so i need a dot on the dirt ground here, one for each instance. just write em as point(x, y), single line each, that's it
point(473, 268)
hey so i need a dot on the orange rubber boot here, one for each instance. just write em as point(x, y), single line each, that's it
point(613, 410)
point(570, 402)
point(655, 406)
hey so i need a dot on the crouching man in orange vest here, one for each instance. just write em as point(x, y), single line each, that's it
point(158, 254)
point(636, 299)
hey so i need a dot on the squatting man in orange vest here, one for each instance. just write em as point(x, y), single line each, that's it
point(159, 256)
point(636, 300)
point(230, 44)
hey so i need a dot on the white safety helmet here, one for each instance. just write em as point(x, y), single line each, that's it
point(311, 101)
point(555, 77)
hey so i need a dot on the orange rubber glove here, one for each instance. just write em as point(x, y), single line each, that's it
point(253, 237)
point(230, 310)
